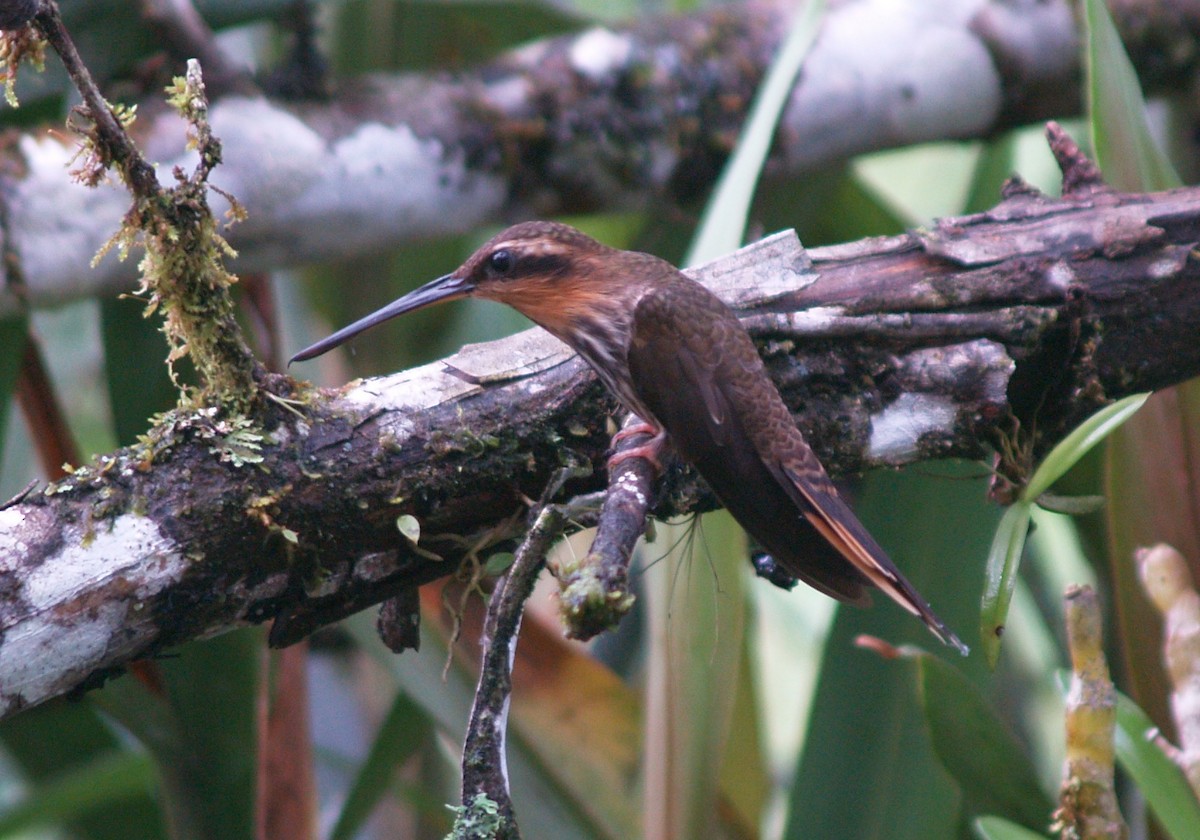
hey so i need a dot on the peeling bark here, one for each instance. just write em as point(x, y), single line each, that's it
point(982, 329)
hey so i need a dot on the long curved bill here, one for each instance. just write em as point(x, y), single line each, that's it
point(444, 288)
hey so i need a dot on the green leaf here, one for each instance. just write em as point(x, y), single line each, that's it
point(399, 736)
point(995, 165)
point(100, 784)
point(827, 206)
point(1159, 779)
point(220, 738)
point(745, 781)
point(1004, 559)
point(498, 562)
point(52, 742)
point(1058, 560)
point(977, 748)
point(1079, 442)
point(856, 211)
point(12, 347)
point(409, 527)
point(997, 828)
point(696, 600)
point(1071, 505)
point(205, 750)
point(724, 221)
point(1124, 147)
point(920, 183)
point(135, 367)
point(868, 769)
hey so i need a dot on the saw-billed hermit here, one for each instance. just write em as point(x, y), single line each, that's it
point(678, 358)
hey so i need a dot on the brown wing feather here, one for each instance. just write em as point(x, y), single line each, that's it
point(686, 377)
point(835, 521)
point(696, 369)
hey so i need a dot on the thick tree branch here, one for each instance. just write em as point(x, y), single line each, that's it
point(610, 118)
point(1007, 326)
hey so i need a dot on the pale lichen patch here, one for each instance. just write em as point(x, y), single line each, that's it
point(896, 431)
point(41, 655)
point(11, 521)
point(517, 356)
point(598, 52)
point(760, 272)
point(111, 549)
point(85, 606)
point(1061, 275)
point(628, 483)
point(813, 321)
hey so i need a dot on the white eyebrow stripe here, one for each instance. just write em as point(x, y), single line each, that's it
point(533, 248)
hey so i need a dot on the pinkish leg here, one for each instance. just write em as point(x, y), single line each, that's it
point(650, 450)
point(639, 428)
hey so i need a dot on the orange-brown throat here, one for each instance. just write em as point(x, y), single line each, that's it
point(564, 303)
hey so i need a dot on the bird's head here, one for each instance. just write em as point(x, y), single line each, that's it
point(553, 274)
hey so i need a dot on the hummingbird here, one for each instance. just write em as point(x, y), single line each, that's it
point(678, 358)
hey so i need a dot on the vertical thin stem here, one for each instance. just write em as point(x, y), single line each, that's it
point(485, 788)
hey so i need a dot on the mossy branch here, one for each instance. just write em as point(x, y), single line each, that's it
point(183, 272)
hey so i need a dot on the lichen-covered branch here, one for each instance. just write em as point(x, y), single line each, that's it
point(889, 351)
point(612, 117)
point(1088, 800)
point(1168, 582)
point(183, 272)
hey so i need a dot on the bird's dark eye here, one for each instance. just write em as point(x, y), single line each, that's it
point(501, 261)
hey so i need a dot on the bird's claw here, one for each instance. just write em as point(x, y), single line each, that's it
point(766, 567)
point(650, 450)
point(639, 428)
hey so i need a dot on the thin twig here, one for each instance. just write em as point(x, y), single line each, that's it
point(485, 790)
point(21, 495)
point(112, 137)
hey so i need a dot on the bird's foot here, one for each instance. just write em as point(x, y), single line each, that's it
point(650, 450)
point(639, 428)
point(766, 567)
